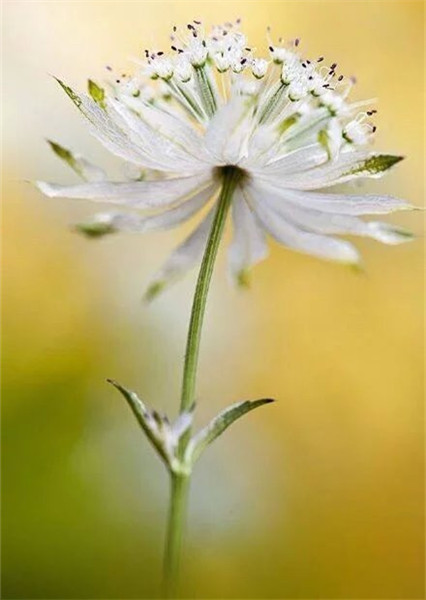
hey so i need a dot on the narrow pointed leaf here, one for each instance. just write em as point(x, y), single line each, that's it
point(141, 413)
point(218, 425)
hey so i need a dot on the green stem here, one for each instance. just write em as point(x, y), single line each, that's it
point(231, 176)
point(180, 482)
point(178, 499)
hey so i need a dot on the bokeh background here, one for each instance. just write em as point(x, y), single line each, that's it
point(317, 496)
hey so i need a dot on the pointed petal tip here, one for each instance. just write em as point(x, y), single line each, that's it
point(43, 187)
point(358, 268)
point(93, 230)
point(243, 280)
point(61, 151)
point(74, 97)
point(112, 382)
point(378, 164)
point(153, 291)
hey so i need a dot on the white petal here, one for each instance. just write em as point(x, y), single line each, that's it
point(332, 173)
point(310, 243)
point(329, 223)
point(345, 204)
point(158, 147)
point(139, 194)
point(85, 169)
point(297, 160)
point(227, 134)
point(335, 138)
point(263, 139)
point(306, 129)
point(89, 171)
point(388, 233)
point(183, 258)
point(174, 128)
point(108, 132)
point(135, 223)
point(248, 245)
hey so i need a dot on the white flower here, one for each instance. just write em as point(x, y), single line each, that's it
point(284, 123)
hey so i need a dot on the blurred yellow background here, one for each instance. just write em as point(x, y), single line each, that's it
point(317, 496)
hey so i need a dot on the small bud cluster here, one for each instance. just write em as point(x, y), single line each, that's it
point(201, 71)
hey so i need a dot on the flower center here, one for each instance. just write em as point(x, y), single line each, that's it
point(227, 170)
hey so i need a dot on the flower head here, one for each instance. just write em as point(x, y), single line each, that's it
point(284, 122)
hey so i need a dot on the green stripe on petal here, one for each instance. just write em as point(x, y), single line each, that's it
point(70, 93)
point(374, 165)
point(80, 165)
point(96, 92)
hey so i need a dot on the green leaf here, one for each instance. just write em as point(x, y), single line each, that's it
point(218, 425)
point(376, 164)
point(97, 93)
point(142, 414)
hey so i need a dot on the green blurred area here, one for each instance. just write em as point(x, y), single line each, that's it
point(318, 496)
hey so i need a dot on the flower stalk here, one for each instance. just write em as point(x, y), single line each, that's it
point(268, 136)
point(180, 481)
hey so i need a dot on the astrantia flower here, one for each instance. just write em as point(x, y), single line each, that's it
point(283, 123)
